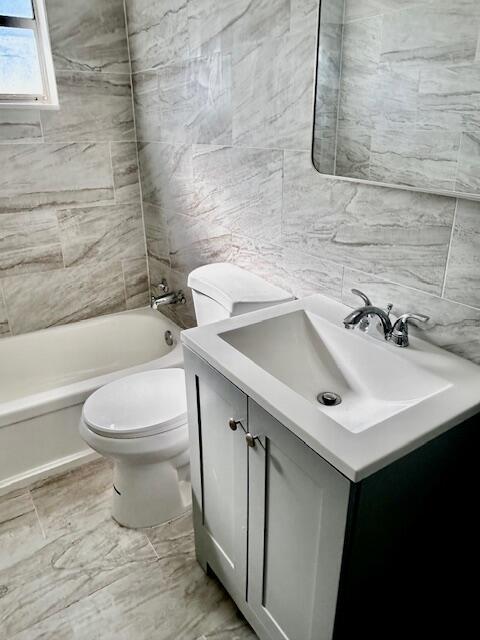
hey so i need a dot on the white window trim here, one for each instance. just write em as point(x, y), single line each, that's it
point(50, 99)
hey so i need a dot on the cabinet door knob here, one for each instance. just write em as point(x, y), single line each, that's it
point(233, 424)
point(250, 439)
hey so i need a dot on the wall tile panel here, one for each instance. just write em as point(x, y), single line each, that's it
point(88, 35)
point(93, 107)
point(95, 234)
point(67, 295)
point(332, 235)
point(158, 32)
point(240, 189)
point(29, 242)
point(463, 277)
point(49, 175)
point(72, 239)
point(400, 235)
point(272, 92)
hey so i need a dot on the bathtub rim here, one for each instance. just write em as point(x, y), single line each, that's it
point(39, 405)
point(60, 397)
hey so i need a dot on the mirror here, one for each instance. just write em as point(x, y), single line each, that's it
point(398, 94)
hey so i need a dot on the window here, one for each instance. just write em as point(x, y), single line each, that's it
point(27, 76)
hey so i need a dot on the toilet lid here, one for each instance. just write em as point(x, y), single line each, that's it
point(138, 405)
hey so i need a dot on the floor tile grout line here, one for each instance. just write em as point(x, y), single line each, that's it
point(151, 544)
point(38, 517)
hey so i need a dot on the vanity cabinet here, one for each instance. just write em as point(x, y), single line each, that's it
point(297, 516)
point(269, 513)
point(219, 463)
point(306, 553)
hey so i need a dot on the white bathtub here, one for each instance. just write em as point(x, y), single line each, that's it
point(46, 376)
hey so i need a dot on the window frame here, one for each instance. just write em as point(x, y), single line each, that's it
point(39, 25)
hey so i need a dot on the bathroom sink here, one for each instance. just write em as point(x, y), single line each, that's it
point(312, 356)
point(387, 400)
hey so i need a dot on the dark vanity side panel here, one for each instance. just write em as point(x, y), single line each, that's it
point(411, 561)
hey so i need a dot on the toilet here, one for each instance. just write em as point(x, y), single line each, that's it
point(140, 421)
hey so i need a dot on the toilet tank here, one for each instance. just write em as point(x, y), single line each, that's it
point(222, 290)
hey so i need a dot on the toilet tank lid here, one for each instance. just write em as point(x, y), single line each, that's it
point(230, 285)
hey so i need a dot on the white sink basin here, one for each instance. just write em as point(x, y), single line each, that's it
point(311, 355)
point(393, 399)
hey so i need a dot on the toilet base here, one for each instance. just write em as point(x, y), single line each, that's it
point(146, 495)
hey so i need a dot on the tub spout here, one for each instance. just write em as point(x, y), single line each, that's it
point(175, 297)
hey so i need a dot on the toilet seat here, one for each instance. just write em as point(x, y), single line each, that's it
point(139, 405)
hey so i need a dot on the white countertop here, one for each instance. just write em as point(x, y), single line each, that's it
point(356, 455)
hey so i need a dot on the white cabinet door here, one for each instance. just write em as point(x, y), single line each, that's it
point(297, 517)
point(219, 473)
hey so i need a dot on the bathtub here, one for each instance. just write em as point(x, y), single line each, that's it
point(46, 376)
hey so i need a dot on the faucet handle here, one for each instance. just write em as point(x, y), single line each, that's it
point(419, 317)
point(365, 321)
point(363, 296)
point(399, 335)
point(163, 286)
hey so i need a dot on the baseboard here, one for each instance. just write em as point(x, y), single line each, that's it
point(61, 465)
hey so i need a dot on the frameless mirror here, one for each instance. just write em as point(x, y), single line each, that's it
point(398, 94)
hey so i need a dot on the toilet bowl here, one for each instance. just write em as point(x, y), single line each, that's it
point(140, 422)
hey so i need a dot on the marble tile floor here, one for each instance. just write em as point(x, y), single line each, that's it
point(69, 572)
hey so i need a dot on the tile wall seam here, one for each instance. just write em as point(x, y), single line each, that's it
point(4, 302)
point(112, 172)
point(85, 141)
point(282, 207)
point(93, 71)
point(342, 284)
point(5, 306)
point(124, 283)
point(228, 146)
point(460, 304)
point(396, 284)
point(447, 261)
point(59, 236)
point(187, 59)
point(147, 264)
point(41, 126)
point(410, 288)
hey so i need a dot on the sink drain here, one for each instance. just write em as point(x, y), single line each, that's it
point(329, 398)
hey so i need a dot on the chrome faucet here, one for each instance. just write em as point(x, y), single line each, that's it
point(399, 335)
point(396, 333)
point(354, 318)
point(167, 297)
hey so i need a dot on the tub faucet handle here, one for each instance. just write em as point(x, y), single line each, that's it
point(163, 286)
point(173, 297)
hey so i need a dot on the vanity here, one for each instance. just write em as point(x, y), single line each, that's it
point(334, 475)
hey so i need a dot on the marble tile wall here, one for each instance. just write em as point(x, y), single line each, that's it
point(224, 99)
point(72, 242)
point(409, 95)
